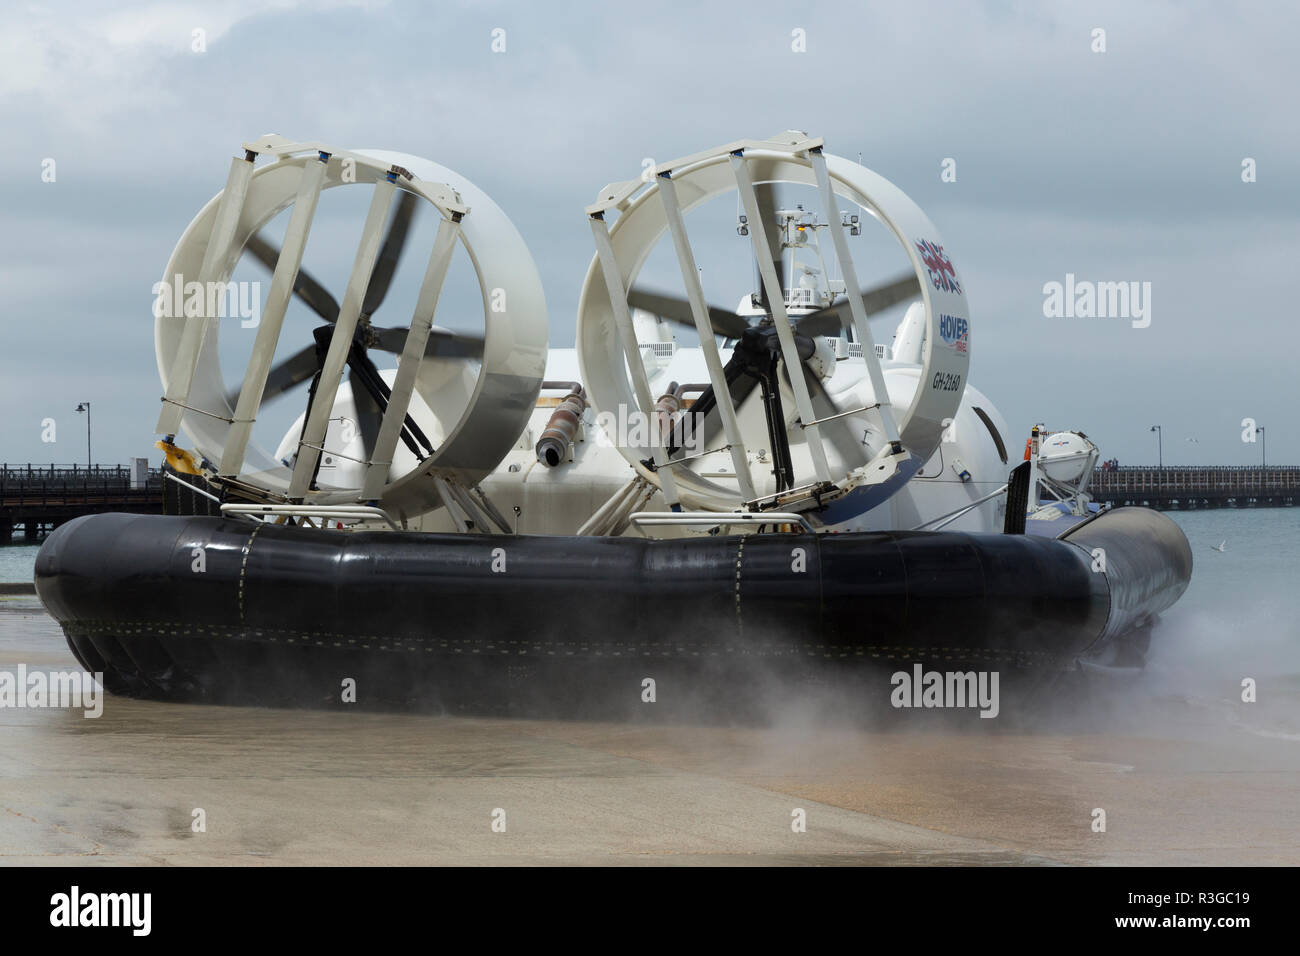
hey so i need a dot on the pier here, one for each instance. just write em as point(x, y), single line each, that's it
point(39, 498)
point(1186, 487)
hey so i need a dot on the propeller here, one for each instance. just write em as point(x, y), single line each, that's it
point(381, 276)
point(304, 286)
point(757, 358)
point(441, 344)
point(839, 314)
point(303, 364)
point(727, 324)
point(370, 395)
point(827, 321)
point(753, 360)
point(370, 392)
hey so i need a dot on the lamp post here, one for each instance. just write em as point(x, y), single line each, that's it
point(1263, 450)
point(1160, 444)
point(85, 407)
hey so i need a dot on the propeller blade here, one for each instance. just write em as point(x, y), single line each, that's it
point(832, 319)
point(389, 253)
point(299, 367)
point(768, 203)
point(305, 287)
point(441, 344)
point(727, 324)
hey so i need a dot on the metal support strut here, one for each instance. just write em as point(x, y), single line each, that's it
point(313, 434)
point(399, 401)
point(700, 312)
point(776, 301)
point(180, 378)
point(277, 303)
point(631, 351)
point(856, 307)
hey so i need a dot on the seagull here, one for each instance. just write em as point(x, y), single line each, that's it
point(1221, 546)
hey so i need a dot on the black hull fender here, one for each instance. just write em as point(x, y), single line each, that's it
point(1147, 564)
point(202, 608)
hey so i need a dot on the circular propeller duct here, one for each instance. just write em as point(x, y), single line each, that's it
point(843, 446)
point(473, 392)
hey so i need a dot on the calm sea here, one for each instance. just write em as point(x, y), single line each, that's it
point(1239, 619)
point(17, 562)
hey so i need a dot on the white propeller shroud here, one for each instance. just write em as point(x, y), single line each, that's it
point(515, 339)
point(612, 366)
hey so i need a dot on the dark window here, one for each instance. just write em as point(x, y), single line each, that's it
point(997, 439)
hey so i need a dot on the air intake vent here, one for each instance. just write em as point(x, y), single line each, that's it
point(882, 351)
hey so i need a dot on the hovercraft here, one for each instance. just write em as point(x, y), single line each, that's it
point(280, 615)
point(494, 521)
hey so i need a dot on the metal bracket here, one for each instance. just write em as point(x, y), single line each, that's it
point(617, 195)
point(337, 512)
point(831, 418)
point(711, 518)
point(944, 520)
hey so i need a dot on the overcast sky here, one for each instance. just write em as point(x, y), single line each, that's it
point(1123, 165)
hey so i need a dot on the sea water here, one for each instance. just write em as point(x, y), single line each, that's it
point(17, 562)
point(1238, 622)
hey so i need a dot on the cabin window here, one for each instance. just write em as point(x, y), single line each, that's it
point(993, 431)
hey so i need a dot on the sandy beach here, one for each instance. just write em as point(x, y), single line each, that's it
point(321, 788)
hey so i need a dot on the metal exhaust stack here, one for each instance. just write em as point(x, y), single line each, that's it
point(553, 447)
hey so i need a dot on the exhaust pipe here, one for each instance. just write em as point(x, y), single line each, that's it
point(553, 447)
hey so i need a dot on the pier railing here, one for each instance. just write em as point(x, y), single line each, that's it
point(1193, 484)
point(76, 473)
point(40, 497)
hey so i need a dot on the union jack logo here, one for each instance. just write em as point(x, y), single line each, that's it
point(942, 273)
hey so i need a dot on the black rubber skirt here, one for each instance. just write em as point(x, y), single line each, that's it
point(227, 611)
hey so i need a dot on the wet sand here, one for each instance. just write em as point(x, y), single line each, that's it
point(320, 788)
